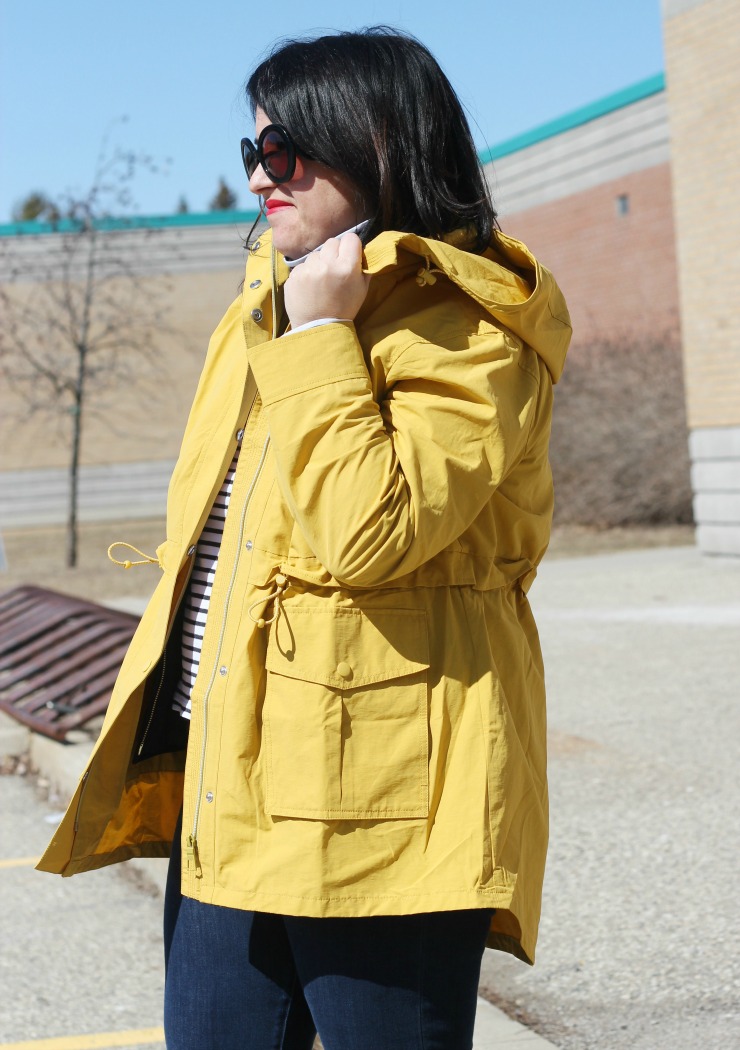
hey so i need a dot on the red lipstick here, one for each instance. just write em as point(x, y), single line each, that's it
point(273, 205)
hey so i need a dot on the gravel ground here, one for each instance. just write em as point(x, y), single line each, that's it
point(639, 936)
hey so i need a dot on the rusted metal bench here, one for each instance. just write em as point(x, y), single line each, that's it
point(59, 657)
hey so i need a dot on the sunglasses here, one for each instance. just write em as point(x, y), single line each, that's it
point(276, 152)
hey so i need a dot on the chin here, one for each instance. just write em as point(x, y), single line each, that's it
point(284, 241)
point(287, 247)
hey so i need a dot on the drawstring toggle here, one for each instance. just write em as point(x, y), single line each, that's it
point(146, 559)
point(282, 583)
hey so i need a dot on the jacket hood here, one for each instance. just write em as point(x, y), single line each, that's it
point(507, 280)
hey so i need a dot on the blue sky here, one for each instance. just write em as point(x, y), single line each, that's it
point(175, 70)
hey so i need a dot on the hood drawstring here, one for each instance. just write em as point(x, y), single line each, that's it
point(145, 558)
point(426, 274)
point(282, 583)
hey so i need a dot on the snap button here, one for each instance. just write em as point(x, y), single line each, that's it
point(255, 247)
point(191, 551)
point(249, 545)
point(209, 796)
point(344, 670)
point(257, 314)
point(222, 671)
point(240, 434)
point(281, 580)
point(255, 284)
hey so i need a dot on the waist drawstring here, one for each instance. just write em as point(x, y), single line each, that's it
point(281, 585)
point(145, 558)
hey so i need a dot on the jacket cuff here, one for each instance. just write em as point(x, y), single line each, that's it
point(307, 359)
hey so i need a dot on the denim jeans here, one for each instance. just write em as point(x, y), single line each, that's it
point(240, 980)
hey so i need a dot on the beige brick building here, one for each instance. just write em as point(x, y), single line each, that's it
point(592, 195)
point(702, 45)
point(131, 439)
point(589, 193)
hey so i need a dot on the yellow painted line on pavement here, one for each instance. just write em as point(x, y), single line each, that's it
point(19, 862)
point(94, 1041)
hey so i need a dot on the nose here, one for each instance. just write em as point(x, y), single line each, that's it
point(260, 181)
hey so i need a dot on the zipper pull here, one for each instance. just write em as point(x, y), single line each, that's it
point(191, 855)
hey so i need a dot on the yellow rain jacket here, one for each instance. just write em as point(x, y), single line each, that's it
point(368, 729)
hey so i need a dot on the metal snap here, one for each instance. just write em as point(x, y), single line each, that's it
point(209, 796)
point(255, 284)
point(249, 545)
point(222, 671)
point(256, 247)
point(257, 314)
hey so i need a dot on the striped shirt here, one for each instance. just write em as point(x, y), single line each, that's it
point(198, 594)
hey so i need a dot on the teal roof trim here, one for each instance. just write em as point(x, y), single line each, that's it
point(594, 110)
point(134, 222)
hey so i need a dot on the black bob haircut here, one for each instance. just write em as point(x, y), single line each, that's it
point(376, 106)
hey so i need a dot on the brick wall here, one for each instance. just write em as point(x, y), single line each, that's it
point(612, 251)
point(139, 419)
point(702, 45)
point(703, 77)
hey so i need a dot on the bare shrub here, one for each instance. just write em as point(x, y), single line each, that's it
point(619, 444)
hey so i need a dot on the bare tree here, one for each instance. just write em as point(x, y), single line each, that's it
point(80, 311)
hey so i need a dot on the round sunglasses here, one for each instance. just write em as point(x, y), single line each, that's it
point(276, 152)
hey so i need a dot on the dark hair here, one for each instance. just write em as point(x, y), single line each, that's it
point(376, 106)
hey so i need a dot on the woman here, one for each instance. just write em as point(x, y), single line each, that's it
point(363, 783)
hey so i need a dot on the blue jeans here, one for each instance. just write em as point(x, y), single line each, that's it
point(240, 980)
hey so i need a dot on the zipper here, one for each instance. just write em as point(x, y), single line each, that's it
point(191, 845)
point(173, 615)
point(85, 775)
point(154, 702)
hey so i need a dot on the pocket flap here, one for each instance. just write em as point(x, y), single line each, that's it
point(347, 648)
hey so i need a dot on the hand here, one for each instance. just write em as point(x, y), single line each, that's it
point(330, 283)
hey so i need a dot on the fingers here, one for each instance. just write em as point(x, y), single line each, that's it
point(341, 254)
point(330, 283)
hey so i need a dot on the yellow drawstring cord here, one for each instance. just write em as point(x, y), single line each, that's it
point(426, 274)
point(282, 584)
point(145, 558)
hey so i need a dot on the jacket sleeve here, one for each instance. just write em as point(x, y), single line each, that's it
point(379, 488)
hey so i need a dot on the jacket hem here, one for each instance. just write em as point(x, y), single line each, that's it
point(367, 905)
point(102, 860)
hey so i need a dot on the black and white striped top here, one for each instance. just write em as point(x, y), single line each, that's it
point(198, 594)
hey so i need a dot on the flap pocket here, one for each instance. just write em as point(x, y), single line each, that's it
point(347, 648)
point(345, 714)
